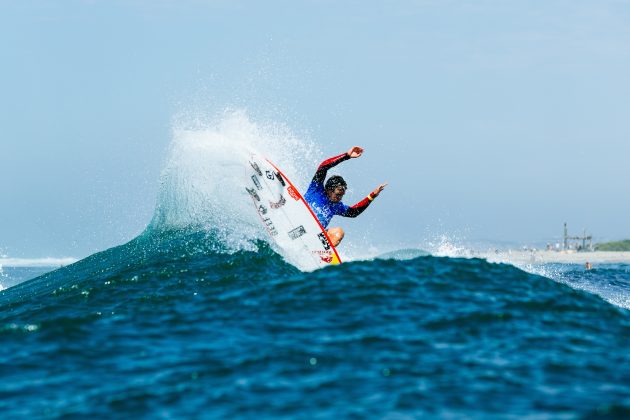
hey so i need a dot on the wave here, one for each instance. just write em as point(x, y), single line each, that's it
point(172, 305)
point(608, 281)
point(160, 256)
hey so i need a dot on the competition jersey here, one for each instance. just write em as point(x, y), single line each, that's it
point(317, 199)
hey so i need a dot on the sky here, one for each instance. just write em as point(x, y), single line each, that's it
point(493, 121)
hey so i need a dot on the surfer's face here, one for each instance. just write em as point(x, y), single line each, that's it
point(335, 195)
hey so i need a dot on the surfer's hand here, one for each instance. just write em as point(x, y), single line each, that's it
point(378, 190)
point(355, 152)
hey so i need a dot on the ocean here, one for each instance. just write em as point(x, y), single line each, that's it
point(170, 326)
point(200, 317)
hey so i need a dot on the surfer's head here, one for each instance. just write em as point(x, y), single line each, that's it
point(335, 188)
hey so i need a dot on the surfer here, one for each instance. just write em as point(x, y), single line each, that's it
point(325, 199)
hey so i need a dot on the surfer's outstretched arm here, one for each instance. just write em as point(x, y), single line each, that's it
point(360, 207)
point(357, 209)
point(320, 175)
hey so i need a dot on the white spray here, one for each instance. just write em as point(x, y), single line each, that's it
point(202, 185)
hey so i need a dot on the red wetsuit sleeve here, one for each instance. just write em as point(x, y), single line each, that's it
point(320, 175)
point(357, 209)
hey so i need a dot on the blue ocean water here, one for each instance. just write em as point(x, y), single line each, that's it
point(174, 325)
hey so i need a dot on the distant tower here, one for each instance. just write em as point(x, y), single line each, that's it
point(582, 238)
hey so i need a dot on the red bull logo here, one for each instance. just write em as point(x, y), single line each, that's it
point(293, 193)
point(327, 259)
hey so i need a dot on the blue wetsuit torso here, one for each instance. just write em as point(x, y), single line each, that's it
point(317, 199)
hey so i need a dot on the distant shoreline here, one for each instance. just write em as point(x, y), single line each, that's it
point(503, 256)
point(560, 257)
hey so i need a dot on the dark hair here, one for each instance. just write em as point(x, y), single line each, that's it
point(334, 182)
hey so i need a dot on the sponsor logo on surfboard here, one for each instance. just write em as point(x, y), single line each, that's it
point(253, 193)
point(279, 204)
point(297, 232)
point(270, 227)
point(269, 175)
point(327, 259)
point(256, 168)
point(280, 179)
point(326, 256)
point(293, 193)
point(262, 209)
point(256, 182)
point(324, 240)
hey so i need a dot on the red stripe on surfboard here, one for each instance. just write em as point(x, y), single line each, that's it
point(309, 209)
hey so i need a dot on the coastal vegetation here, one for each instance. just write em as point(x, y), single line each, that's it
point(614, 246)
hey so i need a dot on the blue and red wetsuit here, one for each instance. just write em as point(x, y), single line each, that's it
point(316, 196)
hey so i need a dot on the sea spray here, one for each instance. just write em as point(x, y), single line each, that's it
point(202, 186)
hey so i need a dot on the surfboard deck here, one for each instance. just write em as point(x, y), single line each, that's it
point(287, 217)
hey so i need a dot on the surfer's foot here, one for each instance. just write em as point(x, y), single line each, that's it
point(335, 234)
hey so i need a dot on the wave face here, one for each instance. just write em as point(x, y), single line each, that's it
point(178, 324)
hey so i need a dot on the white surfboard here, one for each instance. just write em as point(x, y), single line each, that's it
point(287, 218)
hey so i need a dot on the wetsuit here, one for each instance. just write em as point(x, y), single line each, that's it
point(316, 196)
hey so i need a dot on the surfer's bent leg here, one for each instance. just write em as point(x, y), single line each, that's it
point(335, 234)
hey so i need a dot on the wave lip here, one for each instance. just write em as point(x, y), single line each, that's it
point(37, 262)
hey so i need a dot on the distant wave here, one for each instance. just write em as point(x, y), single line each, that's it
point(36, 262)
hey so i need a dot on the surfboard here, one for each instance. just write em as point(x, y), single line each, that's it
point(287, 217)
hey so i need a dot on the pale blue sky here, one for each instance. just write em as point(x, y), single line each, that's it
point(492, 120)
